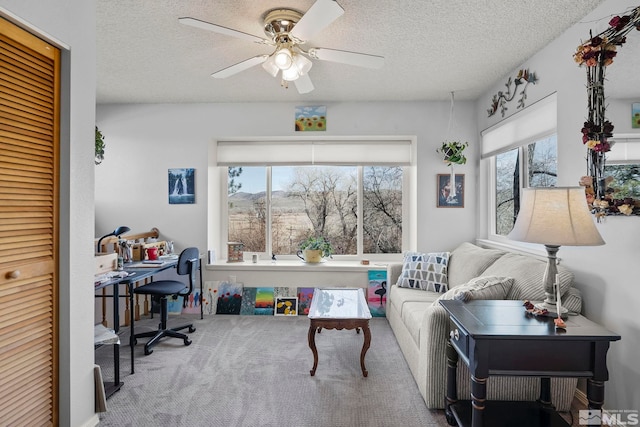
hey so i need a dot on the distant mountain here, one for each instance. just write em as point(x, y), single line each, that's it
point(241, 195)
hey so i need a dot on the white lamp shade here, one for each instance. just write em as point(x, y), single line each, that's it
point(302, 63)
point(270, 66)
point(556, 216)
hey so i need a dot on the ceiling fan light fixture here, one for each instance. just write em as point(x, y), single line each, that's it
point(283, 58)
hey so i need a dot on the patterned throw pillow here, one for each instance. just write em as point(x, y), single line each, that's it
point(425, 271)
point(483, 287)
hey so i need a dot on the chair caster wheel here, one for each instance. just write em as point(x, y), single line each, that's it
point(187, 341)
point(191, 329)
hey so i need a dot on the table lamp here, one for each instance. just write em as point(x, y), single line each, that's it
point(554, 217)
point(117, 232)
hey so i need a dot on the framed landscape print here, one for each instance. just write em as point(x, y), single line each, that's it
point(445, 197)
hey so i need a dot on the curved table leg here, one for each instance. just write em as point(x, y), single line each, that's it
point(365, 347)
point(312, 346)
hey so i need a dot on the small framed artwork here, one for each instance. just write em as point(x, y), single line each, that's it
point(448, 198)
point(182, 186)
point(635, 115)
point(286, 306)
point(311, 119)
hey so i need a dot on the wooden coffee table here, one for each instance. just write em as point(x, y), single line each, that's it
point(339, 308)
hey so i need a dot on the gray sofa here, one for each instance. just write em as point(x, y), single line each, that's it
point(421, 325)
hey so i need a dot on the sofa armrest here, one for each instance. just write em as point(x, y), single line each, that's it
point(394, 270)
point(434, 335)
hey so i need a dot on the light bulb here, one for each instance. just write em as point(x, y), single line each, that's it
point(283, 59)
point(290, 74)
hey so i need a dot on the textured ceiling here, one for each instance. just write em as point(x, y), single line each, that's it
point(431, 47)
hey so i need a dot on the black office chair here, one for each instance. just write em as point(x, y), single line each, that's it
point(188, 263)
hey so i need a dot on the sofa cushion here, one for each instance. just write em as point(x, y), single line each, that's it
point(484, 287)
point(400, 296)
point(426, 271)
point(468, 261)
point(413, 313)
point(527, 273)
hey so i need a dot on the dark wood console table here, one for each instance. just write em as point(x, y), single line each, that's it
point(500, 338)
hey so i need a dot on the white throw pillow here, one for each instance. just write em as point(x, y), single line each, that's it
point(483, 287)
point(426, 271)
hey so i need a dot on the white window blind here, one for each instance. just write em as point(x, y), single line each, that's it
point(390, 152)
point(534, 122)
point(626, 149)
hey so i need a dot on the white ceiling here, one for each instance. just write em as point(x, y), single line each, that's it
point(431, 47)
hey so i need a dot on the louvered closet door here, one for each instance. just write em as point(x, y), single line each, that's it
point(29, 140)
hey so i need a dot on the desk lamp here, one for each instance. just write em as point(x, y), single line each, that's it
point(117, 232)
point(554, 217)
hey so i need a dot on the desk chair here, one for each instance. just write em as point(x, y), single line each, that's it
point(188, 263)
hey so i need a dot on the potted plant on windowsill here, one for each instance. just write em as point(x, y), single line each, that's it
point(314, 249)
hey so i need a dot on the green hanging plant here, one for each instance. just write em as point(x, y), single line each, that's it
point(452, 152)
point(99, 146)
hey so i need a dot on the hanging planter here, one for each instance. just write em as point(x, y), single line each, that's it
point(452, 152)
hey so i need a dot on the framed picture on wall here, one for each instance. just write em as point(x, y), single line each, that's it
point(635, 115)
point(446, 197)
point(182, 186)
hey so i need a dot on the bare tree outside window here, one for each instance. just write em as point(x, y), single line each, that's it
point(316, 200)
point(540, 168)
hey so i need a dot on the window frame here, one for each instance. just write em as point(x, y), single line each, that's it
point(218, 196)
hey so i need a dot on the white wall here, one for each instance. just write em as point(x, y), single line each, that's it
point(607, 275)
point(143, 141)
point(71, 25)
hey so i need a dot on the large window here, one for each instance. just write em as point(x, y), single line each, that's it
point(359, 208)
point(320, 200)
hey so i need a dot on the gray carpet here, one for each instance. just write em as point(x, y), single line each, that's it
point(254, 371)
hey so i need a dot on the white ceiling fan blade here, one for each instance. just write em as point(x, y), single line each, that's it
point(303, 84)
point(222, 30)
point(240, 66)
point(318, 17)
point(345, 57)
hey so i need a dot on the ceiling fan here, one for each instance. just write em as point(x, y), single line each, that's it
point(289, 30)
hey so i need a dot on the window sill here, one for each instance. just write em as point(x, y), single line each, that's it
point(292, 273)
point(296, 265)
